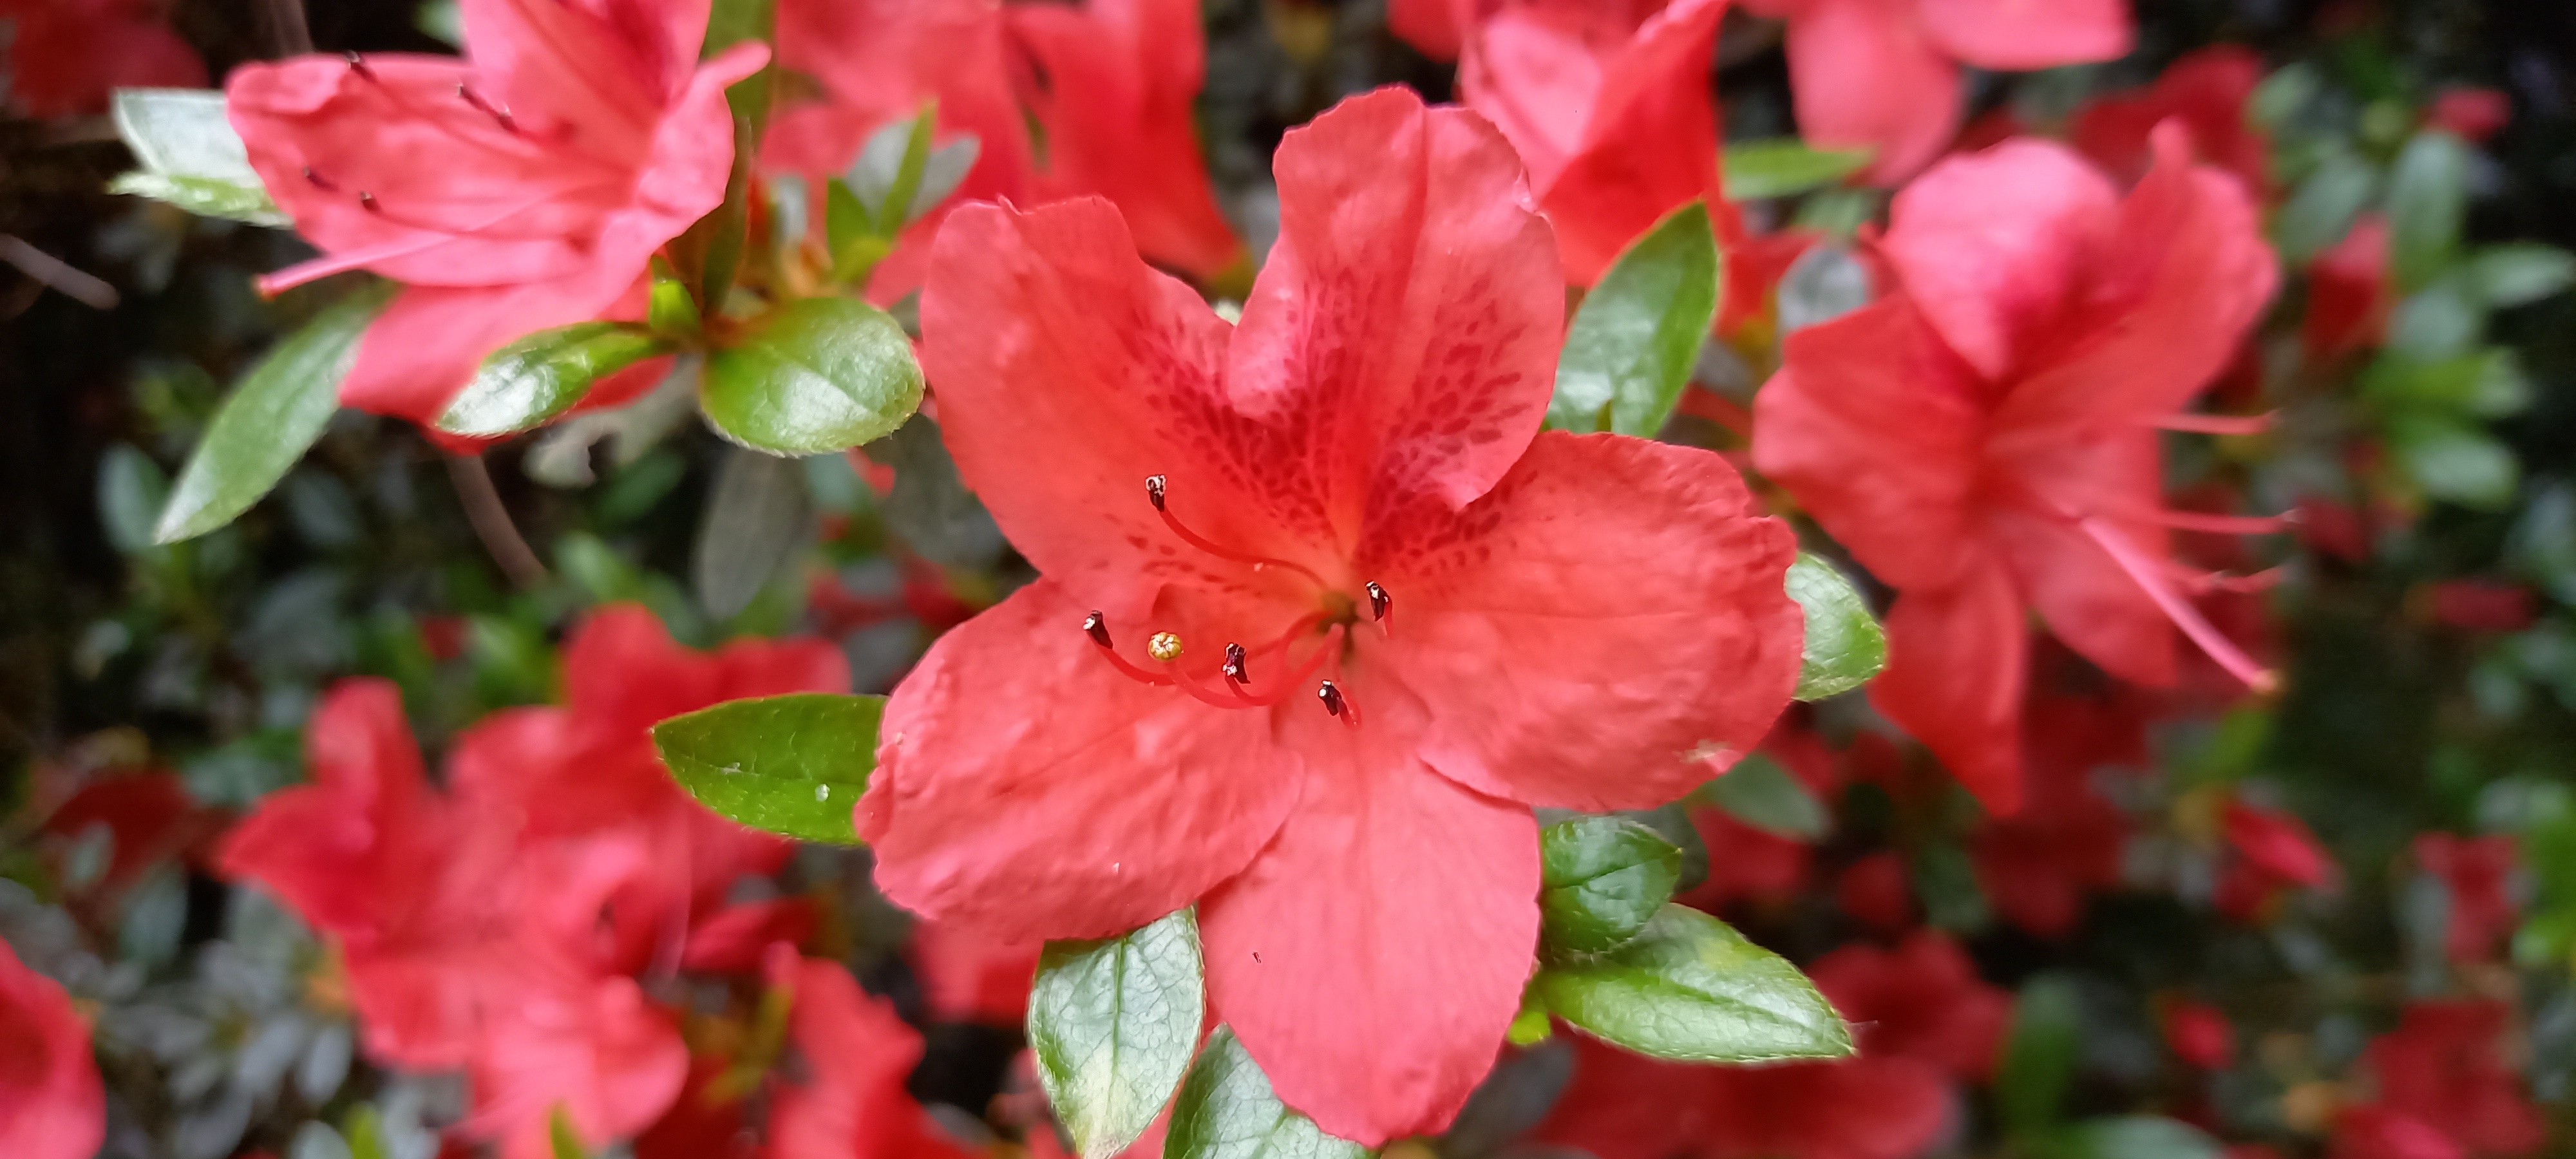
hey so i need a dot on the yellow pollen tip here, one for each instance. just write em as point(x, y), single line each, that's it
point(1165, 646)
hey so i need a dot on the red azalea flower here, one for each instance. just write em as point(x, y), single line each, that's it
point(522, 188)
point(880, 61)
point(1745, 864)
point(858, 1055)
point(2473, 113)
point(1115, 84)
point(1875, 889)
point(2441, 1066)
point(965, 978)
point(1615, 120)
point(2198, 1034)
point(52, 1105)
point(2369, 1132)
point(2475, 872)
point(1625, 1106)
point(1984, 438)
point(67, 56)
point(2348, 292)
point(2206, 90)
point(1922, 1000)
point(1322, 614)
point(1884, 74)
point(2269, 850)
point(149, 819)
point(2483, 605)
point(705, 1122)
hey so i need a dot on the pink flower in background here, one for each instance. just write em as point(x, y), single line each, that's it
point(2206, 90)
point(1321, 613)
point(2198, 1034)
point(52, 1105)
point(2349, 296)
point(1984, 438)
point(1626, 1106)
point(1922, 1000)
point(2268, 851)
point(1884, 74)
point(1115, 85)
point(2475, 114)
point(2443, 1067)
point(67, 56)
point(522, 188)
point(2475, 873)
point(852, 1103)
point(965, 978)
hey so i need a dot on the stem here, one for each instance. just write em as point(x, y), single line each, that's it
point(491, 521)
point(286, 27)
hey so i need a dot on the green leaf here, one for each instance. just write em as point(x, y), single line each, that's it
point(2143, 1137)
point(1601, 879)
point(2519, 273)
point(523, 384)
point(1112, 1023)
point(2039, 1055)
point(191, 156)
point(2442, 320)
point(820, 374)
point(1758, 792)
point(1782, 166)
point(268, 421)
point(1690, 988)
point(1629, 351)
point(566, 1141)
point(1845, 645)
point(2457, 463)
point(441, 20)
point(2428, 197)
point(2321, 210)
point(757, 519)
point(131, 490)
point(1227, 1111)
point(899, 175)
point(673, 309)
point(792, 764)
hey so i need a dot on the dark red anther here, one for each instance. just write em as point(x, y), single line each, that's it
point(358, 65)
point(320, 182)
point(499, 116)
point(1332, 698)
point(367, 201)
point(1154, 491)
point(1380, 603)
point(1234, 665)
point(1096, 627)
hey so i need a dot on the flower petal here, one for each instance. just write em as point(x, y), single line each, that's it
point(1372, 956)
point(1597, 625)
point(2088, 601)
point(1872, 423)
point(1025, 790)
point(2025, 35)
point(428, 341)
point(1957, 659)
point(55, 1105)
point(1992, 246)
point(1650, 146)
point(1864, 76)
point(1400, 346)
point(1535, 71)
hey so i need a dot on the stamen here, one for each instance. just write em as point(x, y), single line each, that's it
point(1234, 669)
point(1096, 626)
point(367, 201)
point(2199, 582)
point(320, 182)
point(2211, 523)
point(2150, 578)
point(358, 65)
point(499, 115)
point(1164, 646)
point(1379, 602)
point(1155, 489)
point(2188, 423)
point(1332, 698)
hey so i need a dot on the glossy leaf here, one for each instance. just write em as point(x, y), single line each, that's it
point(1227, 1111)
point(191, 156)
point(2457, 462)
point(1629, 351)
point(1782, 166)
point(1758, 792)
point(900, 175)
point(1845, 645)
point(2428, 197)
point(1113, 1023)
point(1601, 879)
point(523, 384)
point(792, 764)
point(1692, 989)
point(268, 421)
point(820, 374)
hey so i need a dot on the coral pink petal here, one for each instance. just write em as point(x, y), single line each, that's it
point(1650, 146)
point(2025, 35)
point(1571, 621)
point(880, 61)
point(1992, 245)
point(52, 1104)
point(1400, 346)
point(607, 66)
point(1873, 424)
point(1957, 661)
point(1371, 957)
point(1024, 789)
point(859, 1053)
point(1864, 76)
point(1535, 71)
point(425, 345)
point(1435, 27)
point(2084, 594)
point(603, 1053)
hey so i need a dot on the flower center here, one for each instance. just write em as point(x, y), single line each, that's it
point(1231, 684)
